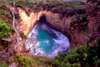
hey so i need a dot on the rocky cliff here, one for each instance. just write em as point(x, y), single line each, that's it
point(55, 21)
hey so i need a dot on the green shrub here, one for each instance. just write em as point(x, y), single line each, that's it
point(2, 1)
point(10, 2)
point(2, 6)
point(2, 12)
point(37, 9)
point(93, 52)
point(81, 56)
point(79, 21)
point(4, 64)
point(6, 13)
point(23, 60)
point(41, 4)
point(5, 29)
point(81, 9)
point(24, 3)
point(29, 3)
point(71, 59)
point(23, 35)
point(20, 3)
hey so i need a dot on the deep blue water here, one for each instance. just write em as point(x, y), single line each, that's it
point(49, 41)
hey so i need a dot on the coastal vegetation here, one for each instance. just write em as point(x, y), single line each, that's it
point(81, 13)
point(81, 56)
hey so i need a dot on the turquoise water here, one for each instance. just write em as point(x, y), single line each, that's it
point(49, 41)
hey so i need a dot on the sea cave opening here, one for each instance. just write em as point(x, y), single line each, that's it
point(46, 41)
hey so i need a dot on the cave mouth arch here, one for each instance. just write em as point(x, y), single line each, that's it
point(49, 40)
point(42, 19)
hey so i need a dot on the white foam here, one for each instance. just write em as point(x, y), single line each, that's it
point(37, 51)
point(33, 32)
point(47, 41)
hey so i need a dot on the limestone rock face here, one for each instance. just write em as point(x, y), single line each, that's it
point(55, 21)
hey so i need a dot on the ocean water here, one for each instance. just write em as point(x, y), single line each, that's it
point(45, 41)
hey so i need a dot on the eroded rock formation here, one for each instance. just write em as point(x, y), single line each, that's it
point(55, 21)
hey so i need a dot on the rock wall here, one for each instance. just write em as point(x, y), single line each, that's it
point(55, 21)
point(63, 25)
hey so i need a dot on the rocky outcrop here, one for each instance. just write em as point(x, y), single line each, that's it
point(55, 21)
point(63, 25)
